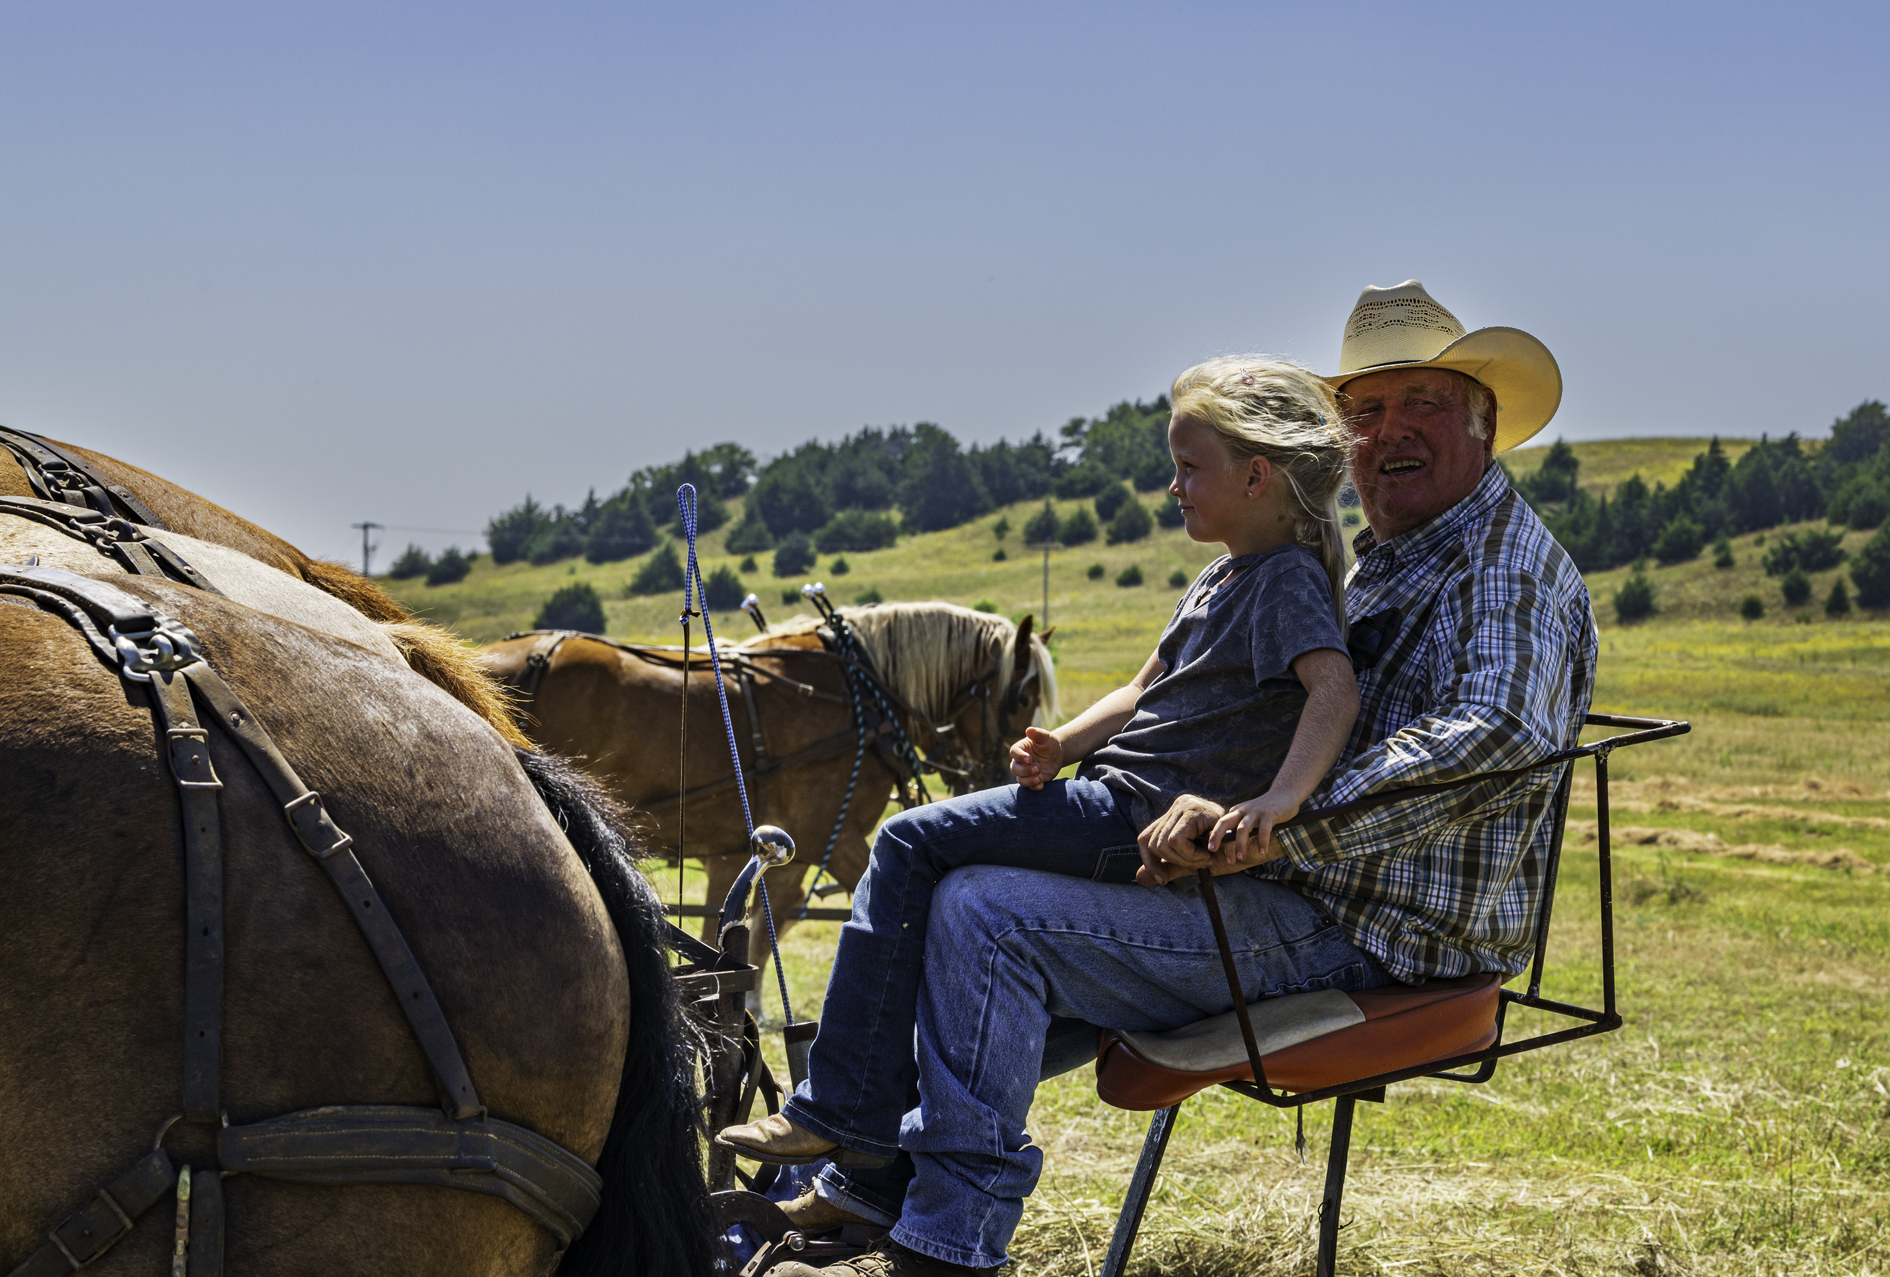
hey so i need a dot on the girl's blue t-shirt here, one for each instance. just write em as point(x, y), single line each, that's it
point(1218, 721)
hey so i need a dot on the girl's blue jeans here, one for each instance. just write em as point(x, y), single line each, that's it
point(994, 933)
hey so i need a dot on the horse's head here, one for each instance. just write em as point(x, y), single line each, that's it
point(967, 682)
point(989, 713)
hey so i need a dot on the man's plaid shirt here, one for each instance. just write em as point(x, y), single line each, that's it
point(1493, 669)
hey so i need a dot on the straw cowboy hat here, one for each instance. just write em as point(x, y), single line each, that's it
point(1404, 327)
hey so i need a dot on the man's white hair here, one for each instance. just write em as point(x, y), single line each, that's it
point(1480, 402)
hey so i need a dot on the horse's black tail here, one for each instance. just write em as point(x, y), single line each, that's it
point(654, 1221)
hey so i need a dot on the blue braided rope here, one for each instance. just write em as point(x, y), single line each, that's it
point(692, 582)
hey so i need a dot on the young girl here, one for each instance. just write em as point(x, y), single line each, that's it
point(1241, 710)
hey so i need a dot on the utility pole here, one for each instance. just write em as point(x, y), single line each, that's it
point(367, 550)
point(1044, 523)
point(1046, 588)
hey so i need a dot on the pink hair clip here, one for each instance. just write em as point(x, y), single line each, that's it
point(1246, 379)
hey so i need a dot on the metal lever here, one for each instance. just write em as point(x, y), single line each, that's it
point(752, 606)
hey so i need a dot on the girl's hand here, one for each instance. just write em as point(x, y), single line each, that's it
point(1251, 826)
point(1036, 758)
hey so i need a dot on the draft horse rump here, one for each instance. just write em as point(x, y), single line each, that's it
point(401, 1048)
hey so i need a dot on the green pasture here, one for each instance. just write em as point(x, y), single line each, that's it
point(1737, 1125)
point(1608, 462)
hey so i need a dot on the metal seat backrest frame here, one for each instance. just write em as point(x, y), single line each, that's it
point(1604, 1019)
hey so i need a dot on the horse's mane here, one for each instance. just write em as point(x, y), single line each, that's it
point(928, 652)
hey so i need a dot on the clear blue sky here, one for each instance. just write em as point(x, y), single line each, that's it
point(327, 262)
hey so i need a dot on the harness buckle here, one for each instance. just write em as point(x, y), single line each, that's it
point(320, 835)
point(96, 1245)
point(165, 647)
point(190, 758)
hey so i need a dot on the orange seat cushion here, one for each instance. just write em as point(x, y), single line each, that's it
point(1404, 1025)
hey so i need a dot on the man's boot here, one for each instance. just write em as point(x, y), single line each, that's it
point(777, 1140)
point(812, 1214)
point(887, 1259)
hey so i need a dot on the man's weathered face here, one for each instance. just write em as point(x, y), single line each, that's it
point(1415, 457)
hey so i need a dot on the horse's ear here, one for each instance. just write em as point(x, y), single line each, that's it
point(1020, 661)
point(1045, 636)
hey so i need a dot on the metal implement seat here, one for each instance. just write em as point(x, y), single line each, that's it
point(1350, 1046)
point(1307, 1041)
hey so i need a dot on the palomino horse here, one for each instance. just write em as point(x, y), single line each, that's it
point(971, 680)
point(548, 984)
point(32, 467)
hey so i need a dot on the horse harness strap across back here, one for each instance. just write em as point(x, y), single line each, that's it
point(116, 538)
point(457, 1146)
point(57, 475)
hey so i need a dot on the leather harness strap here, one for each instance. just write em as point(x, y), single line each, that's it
point(537, 661)
point(112, 536)
point(333, 850)
point(825, 747)
point(96, 1226)
point(460, 1147)
point(197, 785)
point(402, 1144)
point(669, 656)
point(57, 475)
point(761, 766)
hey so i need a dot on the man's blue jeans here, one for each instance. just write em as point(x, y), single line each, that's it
point(958, 928)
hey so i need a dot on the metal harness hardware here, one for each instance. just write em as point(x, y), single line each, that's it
point(57, 475)
point(118, 539)
point(457, 1145)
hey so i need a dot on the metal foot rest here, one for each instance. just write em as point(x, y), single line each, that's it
point(1306, 1040)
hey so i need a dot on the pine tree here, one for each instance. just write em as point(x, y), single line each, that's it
point(575, 607)
point(1042, 528)
point(450, 568)
point(621, 530)
point(412, 562)
point(1132, 523)
point(661, 573)
point(1838, 602)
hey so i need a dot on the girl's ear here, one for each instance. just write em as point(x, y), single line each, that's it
point(1259, 471)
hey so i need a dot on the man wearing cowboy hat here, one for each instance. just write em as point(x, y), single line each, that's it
point(1491, 669)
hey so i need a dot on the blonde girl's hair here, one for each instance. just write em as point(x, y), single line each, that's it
point(1266, 407)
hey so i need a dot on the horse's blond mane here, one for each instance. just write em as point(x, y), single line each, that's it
point(929, 652)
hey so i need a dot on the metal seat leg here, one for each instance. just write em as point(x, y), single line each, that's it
point(1130, 1221)
point(1335, 1185)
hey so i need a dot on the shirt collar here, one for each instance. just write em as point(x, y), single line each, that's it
point(1421, 540)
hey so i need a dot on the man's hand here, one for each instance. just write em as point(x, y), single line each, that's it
point(1036, 758)
point(1251, 824)
point(1236, 838)
point(1168, 845)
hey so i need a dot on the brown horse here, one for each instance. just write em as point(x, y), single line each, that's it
point(432, 652)
point(556, 995)
point(971, 680)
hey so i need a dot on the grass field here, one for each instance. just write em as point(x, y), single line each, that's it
point(1737, 1125)
point(1607, 462)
